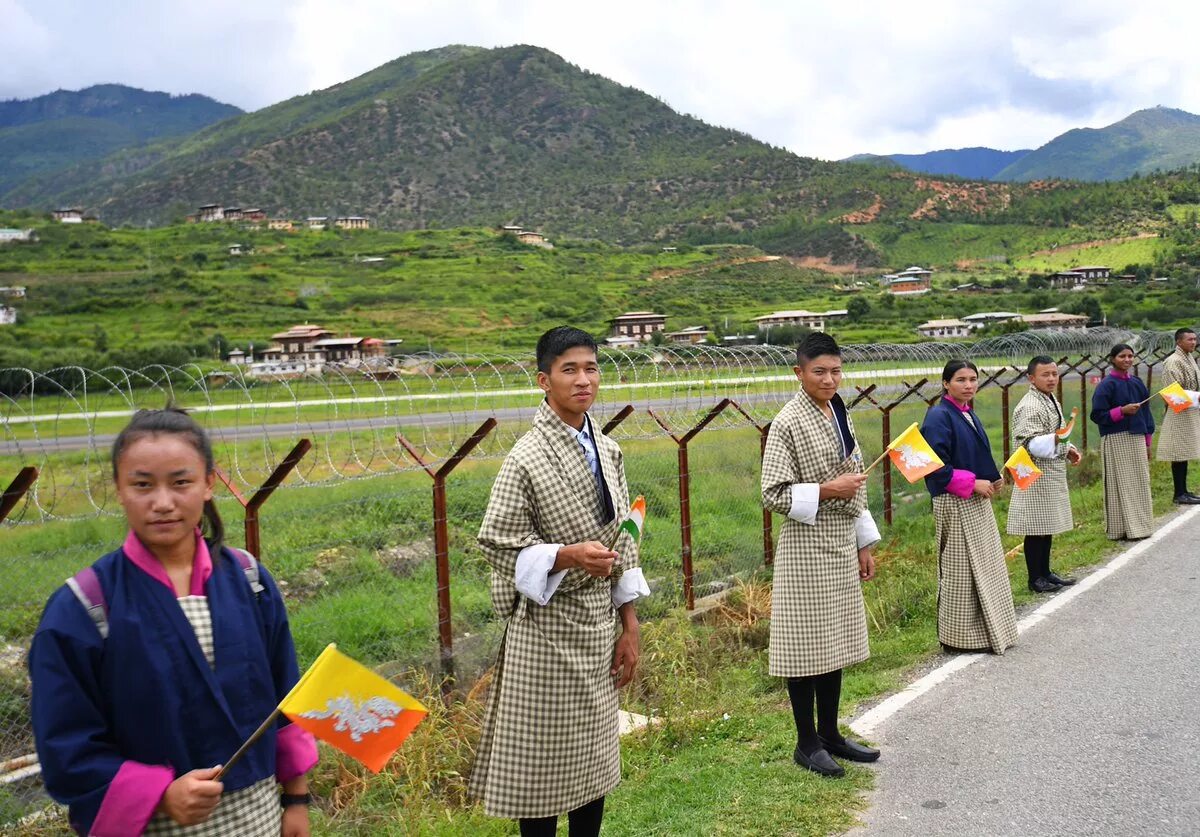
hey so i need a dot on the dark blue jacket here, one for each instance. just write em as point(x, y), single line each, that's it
point(1117, 392)
point(957, 444)
point(146, 693)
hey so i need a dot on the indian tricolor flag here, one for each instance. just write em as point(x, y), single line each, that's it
point(912, 455)
point(634, 522)
point(1177, 397)
point(345, 704)
point(1024, 472)
point(1065, 431)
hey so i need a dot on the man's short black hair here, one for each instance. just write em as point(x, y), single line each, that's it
point(559, 340)
point(814, 345)
point(1037, 361)
point(1179, 332)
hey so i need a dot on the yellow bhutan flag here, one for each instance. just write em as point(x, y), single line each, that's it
point(351, 707)
point(912, 454)
point(1024, 472)
point(1176, 397)
point(1065, 431)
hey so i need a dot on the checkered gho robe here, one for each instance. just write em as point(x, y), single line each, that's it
point(1179, 438)
point(975, 604)
point(249, 812)
point(1128, 508)
point(818, 621)
point(1045, 507)
point(550, 737)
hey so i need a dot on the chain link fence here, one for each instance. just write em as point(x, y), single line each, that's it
point(362, 490)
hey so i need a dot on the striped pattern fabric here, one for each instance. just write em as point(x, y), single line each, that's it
point(1045, 507)
point(1179, 438)
point(550, 732)
point(249, 812)
point(975, 603)
point(818, 620)
point(1128, 509)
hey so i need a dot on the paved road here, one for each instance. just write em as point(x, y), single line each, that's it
point(1091, 725)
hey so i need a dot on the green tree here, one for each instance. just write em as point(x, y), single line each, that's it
point(857, 309)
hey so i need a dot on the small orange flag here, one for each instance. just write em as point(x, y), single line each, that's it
point(912, 455)
point(344, 703)
point(1065, 431)
point(1176, 397)
point(1024, 472)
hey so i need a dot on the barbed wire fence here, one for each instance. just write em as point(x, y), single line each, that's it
point(362, 490)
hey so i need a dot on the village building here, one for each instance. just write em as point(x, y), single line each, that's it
point(837, 314)
point(8, 234)
point(670, 249)
point(350, 349)
point(639, 326)
point(254, 216)
point(912, 280)
point(235, 249)
point(310, 348)
point(988, 317)
point(943, 329)
point(689, 336)
point(511, 228)
point(13, 292)
point(1093, 271)
point(317, 222)
point(284, 224)
point(1068, 280)
point(969, 287)
point(71, 215)
point(352, 222)
point(807, 319)
point(211, 212)
point(8, 316)
point(237, 357)
point(234, 213)
point(1055, 319)
point(534, 239)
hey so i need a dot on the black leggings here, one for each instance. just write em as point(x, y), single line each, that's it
point(1037, 556)
point(584, 822)
point(827, 690)
point(1179, 477)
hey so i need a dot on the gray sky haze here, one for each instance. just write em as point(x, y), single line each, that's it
point(821, 79)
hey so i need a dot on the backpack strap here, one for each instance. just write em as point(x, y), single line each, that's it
point(249, 565)
point(85, 584)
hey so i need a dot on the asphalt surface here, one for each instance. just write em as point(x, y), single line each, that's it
point(1090, 725)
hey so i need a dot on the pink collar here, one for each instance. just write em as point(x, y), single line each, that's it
point(966, 408)
point(145, 561)
point(1119, 375)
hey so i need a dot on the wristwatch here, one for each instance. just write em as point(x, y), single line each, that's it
point(286, 800)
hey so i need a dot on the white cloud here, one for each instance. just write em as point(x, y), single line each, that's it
point(827, 79)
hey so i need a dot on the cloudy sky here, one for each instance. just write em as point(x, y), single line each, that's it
point(825, 79)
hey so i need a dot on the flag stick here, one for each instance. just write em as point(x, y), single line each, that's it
point(257, 734)
point(878, 459)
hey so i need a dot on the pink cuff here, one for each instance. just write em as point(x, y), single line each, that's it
point(295, 752)
point(131, 798)
point(962, 484)
point(1115, 414)
point(1147, 440)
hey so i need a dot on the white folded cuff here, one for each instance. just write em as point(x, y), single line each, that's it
point(1195, 396)
point(631, 586)
point(1042, 447)
point(806, 497)
point(866, 533)
point(533, 577)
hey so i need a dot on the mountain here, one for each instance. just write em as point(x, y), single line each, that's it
point(67, 127)
point(1156, 138)
point(970, 163)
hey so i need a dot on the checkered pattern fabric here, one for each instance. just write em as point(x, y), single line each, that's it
point(818, 621)
point(1179, 438)
point(550, 736)
point(1128, 509)
point(249, 812)
point(1045, 507)
point(975, 604)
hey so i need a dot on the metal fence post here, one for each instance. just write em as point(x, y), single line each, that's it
point(768, 533)
point(885, 433)
point(441, 541)
point(685, 496)
point(256, 501)
point(17, 489)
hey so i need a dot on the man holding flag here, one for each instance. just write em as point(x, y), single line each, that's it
point(1179, 439)
point(564, 566)
point(1043, 510)
point(813, 472)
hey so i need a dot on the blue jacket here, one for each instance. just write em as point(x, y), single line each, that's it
point(1117, 392)
point(146, 693)
point(957, 444)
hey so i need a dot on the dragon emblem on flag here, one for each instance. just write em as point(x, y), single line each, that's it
point(913, 458)
point(368, 717)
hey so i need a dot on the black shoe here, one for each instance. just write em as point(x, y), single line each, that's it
point(1186, 500)
point(1055, 578)
point(1195, 497)
point(1043, 585)
point(820, 762)
point(850, 750)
